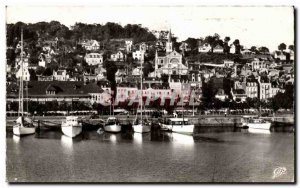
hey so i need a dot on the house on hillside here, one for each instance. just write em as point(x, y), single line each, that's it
point(91, 45)
point(128, 44)
point(204, 48)
point(281, 55)
point(25, 60)
point(218, 49)
point(60, 75)
point(184, 47)
point(238, 95)
point(119, 56)
point(138, 55)
point(94, 58)
point(26, 74)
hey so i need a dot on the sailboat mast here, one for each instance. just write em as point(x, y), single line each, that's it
point(21, 79)
point(141, 99)
point(27, 99)
point(110, 105)
point(113, 106)
point(182, 104)
point(193, 103)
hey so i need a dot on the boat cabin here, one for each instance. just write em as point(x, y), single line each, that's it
point(256, 120)
point(70, 119)
point(112, 121)
point(177, 121)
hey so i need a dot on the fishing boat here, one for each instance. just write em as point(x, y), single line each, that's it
point(24, 125)
point(71, 127)
point(141, 125)
point(178, 125)
point(258, 123)
point(255, 122)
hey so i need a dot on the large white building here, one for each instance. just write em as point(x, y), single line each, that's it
point(94, 59)
point(169, 63)
point(138, 55)
point(60, 75)
point(26, 74)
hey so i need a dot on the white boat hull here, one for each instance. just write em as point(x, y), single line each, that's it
point(263, 126)
point(141, 128)
point(187, 129)
point(112, 128)
point(71, 130)
point(21, 130)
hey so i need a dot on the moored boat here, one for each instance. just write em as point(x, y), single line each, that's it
point(179, 125)
point(258, 123)
point(112, 125)
point(255, 122)
point(141, 126)
point(24, 125)
point(71, 126)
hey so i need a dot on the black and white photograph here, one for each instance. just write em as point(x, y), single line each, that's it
point(150, 94)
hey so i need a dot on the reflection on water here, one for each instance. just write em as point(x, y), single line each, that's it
point(16, 139)
point(139, 138)
point(67, 143)
point(109, 137)
point(152, 157)
point(182, 139)
point(258, 131)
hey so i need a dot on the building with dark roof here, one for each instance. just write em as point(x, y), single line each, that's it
point(59, 91)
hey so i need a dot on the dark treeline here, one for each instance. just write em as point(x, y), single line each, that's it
point(45, 30)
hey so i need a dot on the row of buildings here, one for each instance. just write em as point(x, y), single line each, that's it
point(260, 77)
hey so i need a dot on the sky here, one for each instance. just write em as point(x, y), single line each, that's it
point(253, 26)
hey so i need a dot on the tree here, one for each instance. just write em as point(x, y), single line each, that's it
point(147, 68)
point(111, 70)
point(227, 39)
point(237, 45)
point(253, 49)
point(48, 72)
point(33, 76)
point(213, 41)
point(192, 43)
point(10, 56)
point(226, 46)
point(282, 47)
point(263, 50)
point(291, 47)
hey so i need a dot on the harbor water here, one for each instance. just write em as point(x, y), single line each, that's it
point(216, 155)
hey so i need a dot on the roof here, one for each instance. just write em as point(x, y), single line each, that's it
point(239, 91)
point(161, 54)
point(62, 88)
point(178, 119)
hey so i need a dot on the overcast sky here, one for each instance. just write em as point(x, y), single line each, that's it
point(260, 26)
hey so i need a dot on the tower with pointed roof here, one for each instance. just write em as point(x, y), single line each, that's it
point(169, 44)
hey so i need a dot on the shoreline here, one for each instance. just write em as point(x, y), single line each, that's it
point(198, 121)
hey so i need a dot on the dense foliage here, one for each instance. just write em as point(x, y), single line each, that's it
point(45, 30)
